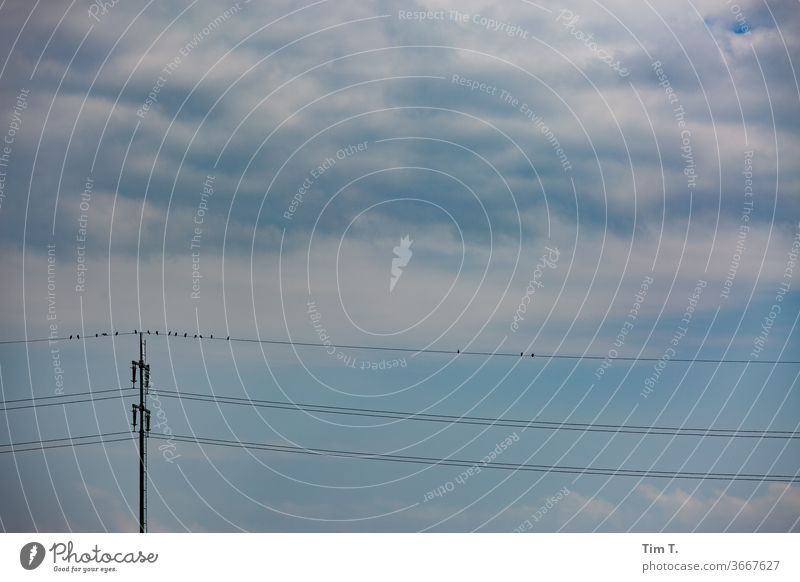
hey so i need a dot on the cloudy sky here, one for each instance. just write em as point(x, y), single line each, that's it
point(586, 179)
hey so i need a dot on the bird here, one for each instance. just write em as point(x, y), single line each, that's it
point(70, 337)
point(79, 336)
point(195, 336)
point(458, 351)
point(532, 354)
point(134, 331)
point(95, 335)
point(228, 338)
point(212, 336)
point(156, 332)
point(148, 332)
point(520, 353)
point(116, 333)
point(184, 335)
point(201, 336)
point(104, 333)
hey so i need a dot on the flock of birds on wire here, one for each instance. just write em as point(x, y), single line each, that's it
point(186, 335)
point(169, 333)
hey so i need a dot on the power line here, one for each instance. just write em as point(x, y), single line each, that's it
point(488, 465)
point(47, 447)
point(143, 415)
point(45, 441)
point(66, 338)
point(35, 400)
point(103, 438)
point(483, 421)
point(87, 393)
point(61, 442)
point(492, 354)
point(450, 352)
point(64, 403)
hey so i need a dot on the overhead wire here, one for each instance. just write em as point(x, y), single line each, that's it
point(64, 403)
point(444, 461)
point(66, 338)
point(451, 352)
point(61, 442)
point(481, 420)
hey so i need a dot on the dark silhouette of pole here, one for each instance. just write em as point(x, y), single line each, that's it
point(144, 426)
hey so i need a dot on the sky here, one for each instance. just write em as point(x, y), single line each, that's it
point(588, 179)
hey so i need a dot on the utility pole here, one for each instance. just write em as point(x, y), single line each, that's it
point(144, 426)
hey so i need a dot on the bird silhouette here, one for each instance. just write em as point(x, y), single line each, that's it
point(184, 335)
point(228, 338)
point(104, 333)
point(116, 333)
point(70, 337)
point(79, 336)
point(156, 332)
point(212, 336)
point(95, 335)
point(148, 332)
